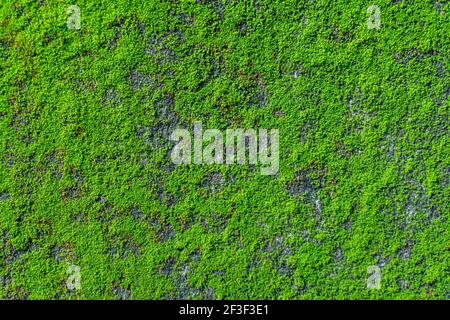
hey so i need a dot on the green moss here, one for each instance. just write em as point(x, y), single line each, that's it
point(86, 180)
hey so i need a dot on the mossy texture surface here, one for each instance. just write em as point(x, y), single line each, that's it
point(86, 178)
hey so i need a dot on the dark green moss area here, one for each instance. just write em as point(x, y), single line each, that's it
point(86, 178)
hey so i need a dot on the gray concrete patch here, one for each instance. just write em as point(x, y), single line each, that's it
point(4, 197)
point(63, 253)
point(122, 293)
point(163, 231)
point(159, 47)
point(167, 120)
point(410, 55)
point(405, 252)
point(123, 247)
point(213, 182)
point(55, 165)
point(306, 188)
point(215, 223)
point(137, 214)
point(139, 80)
point(180, 272)
point(439, 6)
point(111, 97)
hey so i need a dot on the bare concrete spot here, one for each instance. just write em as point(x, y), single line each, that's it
point(257, 92)
point(167, 119)
point(257, 6)
point(125, 25)
point(111, 97)
point(63, 253)
point(70, 193)
point(410, 55)
point(9, 159)
point(6, 281)
point(389, 146)
point(21, 124)
point(243, 28)
point(160, 47)
point(428, 288)
point(441, 69)
point(144, 159)
point(278, 252)
point(17, 293)
point(302, 288)
point(4, 50)
point(180, 272)
point(122, 293)
point(438, 129)
point(81, 217)
point(116, 39)
point(254, 263)
point(10, 253)
point(118, 25)
point(75, 190)
point(217, 68)
point(105, 214)
point(137, 214)
point(286, 270)
point(4, 197)
point(358, 114)
point(382, 261)
point(217, 6)
point(418, 201)
point(292, 69)
point(340, 36)
point(213, 182)
point(140, 26)
point(102, 199)
point(420, 208)
point(138, 80)
point(186, 20)
point(55, 165)
point(301, 185)
point(169, 267)
point(157, 187)
point(338, 254)
point(185, 290)
point(11, 257)
point(307, 131)
point(348, 224)
point(439, 6)
point(157, 136)
point(101, 159)
point(306, 187)
point(308, 237)
point(123, 247)
point(403, 285)
point(215, 223)
point(166, 167)
point(219, 273)
point(445, 180)
point(405, 252)
point(279, 114)
point(209, 294)
point(85, 86)
point(164, 231)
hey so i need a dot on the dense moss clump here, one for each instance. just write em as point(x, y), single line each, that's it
point(88, 189)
